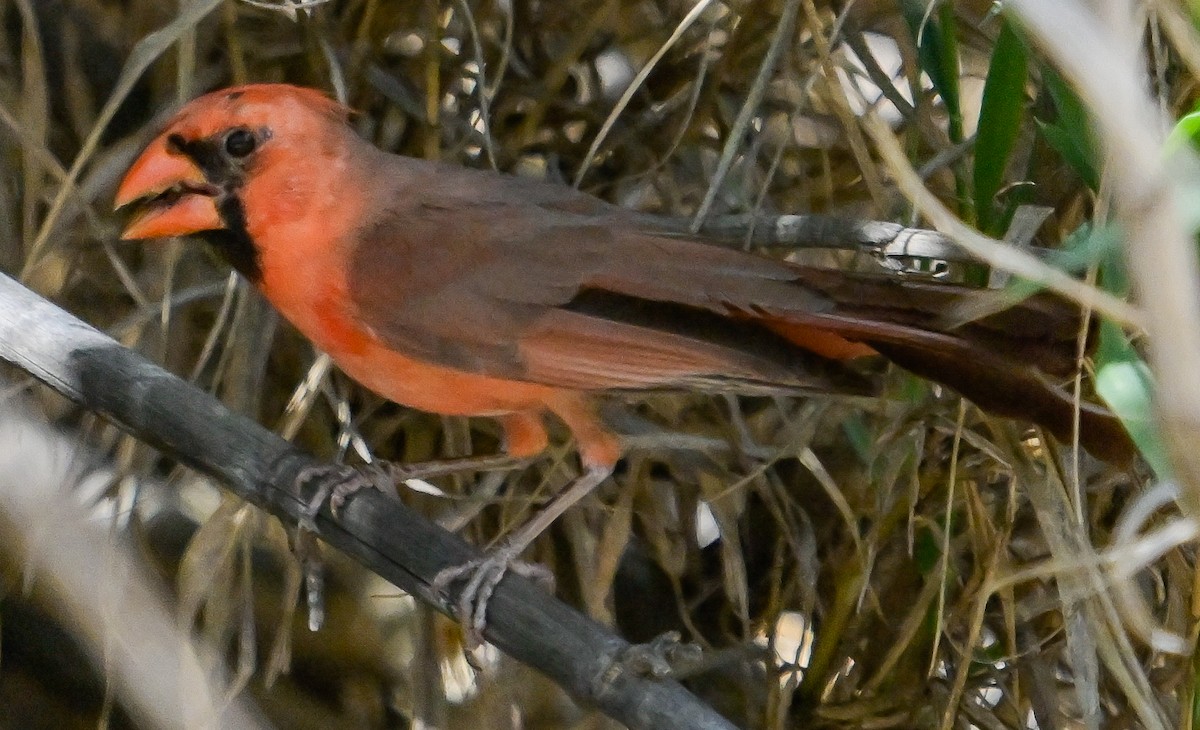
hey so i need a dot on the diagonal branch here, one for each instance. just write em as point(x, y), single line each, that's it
point(401, 546)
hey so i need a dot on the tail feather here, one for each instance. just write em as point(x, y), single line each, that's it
point(1004, 362)
point(1009, 389)
point(1041, 317)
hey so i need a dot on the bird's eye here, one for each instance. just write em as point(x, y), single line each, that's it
point(240, 142)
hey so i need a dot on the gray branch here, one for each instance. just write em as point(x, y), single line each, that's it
point(881, 238)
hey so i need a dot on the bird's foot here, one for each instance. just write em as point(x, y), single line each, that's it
point(666, 655)
point(336, 483)
point(482, 575)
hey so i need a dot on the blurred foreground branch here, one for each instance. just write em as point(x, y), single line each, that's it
point(404, 548)
point(1147, 192)
point(96, 586)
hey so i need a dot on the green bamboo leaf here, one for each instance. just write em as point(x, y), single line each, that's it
point(1090, 245)
point(859, 436)
point(1125, 383)
point(1123, 379)
point(947, 59)
point(1000, 116)
point(1185, 137)
point(936, 35)
point(937, 52)
point(1070, 135)
point(1187, 129)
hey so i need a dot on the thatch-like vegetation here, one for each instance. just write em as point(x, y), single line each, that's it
point(907, 561)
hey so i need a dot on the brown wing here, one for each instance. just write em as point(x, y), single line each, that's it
point(498, 276)
point(535, 282)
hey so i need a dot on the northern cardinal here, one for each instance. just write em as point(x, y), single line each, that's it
point(467, 292)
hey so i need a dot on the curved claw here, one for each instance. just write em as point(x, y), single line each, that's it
point(662, 657)
point(482, 576)
point(337, 483)
point(488, 571)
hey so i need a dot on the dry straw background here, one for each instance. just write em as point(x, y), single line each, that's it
point(900, 562)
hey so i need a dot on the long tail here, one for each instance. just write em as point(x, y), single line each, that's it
point(1007, 363)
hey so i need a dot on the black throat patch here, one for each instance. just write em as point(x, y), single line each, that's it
point(233, 242)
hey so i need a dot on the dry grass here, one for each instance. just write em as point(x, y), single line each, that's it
point(901, 562)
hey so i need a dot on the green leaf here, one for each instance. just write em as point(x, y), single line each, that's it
point(1090, 245)
point(1187, 129)
point(936, 36)
point(914, 16)
point(1185, 138)
point(946, 49)
point(1000, 116)
point(1070, 135)
point(1062, 142)
point(927, 550)
point(937, 52)
point(859, 436)
point(1123, 379)
point(1125, 383)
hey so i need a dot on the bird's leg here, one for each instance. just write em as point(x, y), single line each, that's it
point(484, 574)
point(458, 465)
point(308, 554)
point(338, 482)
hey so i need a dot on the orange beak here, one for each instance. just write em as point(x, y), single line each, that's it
point(177, 199)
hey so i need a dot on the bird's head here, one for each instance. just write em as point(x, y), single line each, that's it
point(221, 150)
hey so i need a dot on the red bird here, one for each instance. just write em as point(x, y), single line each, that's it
point(472, 293)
